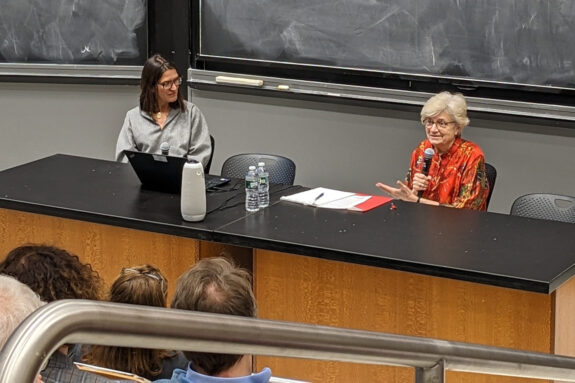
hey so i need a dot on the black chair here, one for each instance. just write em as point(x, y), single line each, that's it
point(553, 207)
point(491, 174)
point(209, 164)
point(281, 169)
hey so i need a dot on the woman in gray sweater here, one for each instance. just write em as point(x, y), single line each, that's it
point(164, 118)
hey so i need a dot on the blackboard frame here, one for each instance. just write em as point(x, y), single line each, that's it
point(166, 23)
point(525, 94)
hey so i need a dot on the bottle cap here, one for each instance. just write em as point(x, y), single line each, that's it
point(252, 167)
point(261, 164)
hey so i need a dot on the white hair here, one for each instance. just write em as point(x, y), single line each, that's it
point(17, 301)
point(452, 103)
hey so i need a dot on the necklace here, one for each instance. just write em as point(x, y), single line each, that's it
point(158, 115)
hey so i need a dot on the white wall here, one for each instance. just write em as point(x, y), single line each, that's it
point(338, 146)
point(44, 119)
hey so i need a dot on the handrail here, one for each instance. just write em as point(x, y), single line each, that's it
point(89, 322)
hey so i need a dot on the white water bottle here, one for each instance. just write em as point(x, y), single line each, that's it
point(252, 198)
point(264, 186)
point(193, 198)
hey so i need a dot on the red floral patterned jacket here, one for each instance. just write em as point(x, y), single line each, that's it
point(458, 177)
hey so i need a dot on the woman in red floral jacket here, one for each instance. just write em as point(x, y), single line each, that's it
point(456, 175)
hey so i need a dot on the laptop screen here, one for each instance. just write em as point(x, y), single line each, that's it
point(164, 173)
point(156, 171)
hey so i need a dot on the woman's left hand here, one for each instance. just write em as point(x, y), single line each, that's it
point(403, 192)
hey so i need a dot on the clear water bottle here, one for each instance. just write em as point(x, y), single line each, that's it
point(252, 195)
point(264, 186)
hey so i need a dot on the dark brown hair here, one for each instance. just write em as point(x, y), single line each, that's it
point(215, 285)
point(140, 285)
point(52, 273)
point(153, 70)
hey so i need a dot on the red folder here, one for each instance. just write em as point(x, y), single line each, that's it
point(373, 202)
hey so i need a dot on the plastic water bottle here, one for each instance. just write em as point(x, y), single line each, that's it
point(264, 186)
point(252, 199)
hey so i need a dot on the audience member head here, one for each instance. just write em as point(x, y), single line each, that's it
point(152, 72)
point(215, 285)
point(52, 273)
point(139, 285)
point(453, 104)
point(17, 301)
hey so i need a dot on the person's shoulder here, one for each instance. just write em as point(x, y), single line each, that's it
point(172, 362)
point(189, 104)
point(134, 112)
point(135, 109)
point(420, 148)
point(176, 358)
point(471, 147)
point(263, 376)
point(178, 376)
point(191, 107)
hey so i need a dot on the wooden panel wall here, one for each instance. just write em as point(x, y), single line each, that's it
point(106, 248)
point(564, 318)
point(310, 290)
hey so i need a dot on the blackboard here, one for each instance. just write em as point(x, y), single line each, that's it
point(101, 32)
point(498, 44)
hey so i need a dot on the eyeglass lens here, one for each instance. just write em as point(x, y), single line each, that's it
point(170, 84)
point(440, 123)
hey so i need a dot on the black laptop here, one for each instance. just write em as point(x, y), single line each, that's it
point(164, 173)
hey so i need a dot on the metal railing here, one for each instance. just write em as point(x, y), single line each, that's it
point(88, 322)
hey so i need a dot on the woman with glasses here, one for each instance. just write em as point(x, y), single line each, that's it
point(456, 173)
point(164, 119)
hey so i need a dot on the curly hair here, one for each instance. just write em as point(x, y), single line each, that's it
point(53, 273)
point(139, 285)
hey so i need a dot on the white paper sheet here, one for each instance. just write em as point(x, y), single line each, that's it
point(320, 197)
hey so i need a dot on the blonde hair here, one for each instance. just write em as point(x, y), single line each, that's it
point(139, 285)
point(452, 103)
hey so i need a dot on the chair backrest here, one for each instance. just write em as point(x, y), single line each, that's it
point(491, 174)
point(209, 164)
point(281, 169)
point(554, 207)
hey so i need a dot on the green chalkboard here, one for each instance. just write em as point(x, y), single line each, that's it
point(525, 45)
point(106, 32)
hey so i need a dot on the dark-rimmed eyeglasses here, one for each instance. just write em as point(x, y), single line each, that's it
point(428, 123)
point(169, 84)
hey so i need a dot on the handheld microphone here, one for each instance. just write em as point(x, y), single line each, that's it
point(427, 156)
point(165, 148)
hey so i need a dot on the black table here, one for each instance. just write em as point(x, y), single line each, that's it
point(490, 248)
point(110, 193)
point(413, 269)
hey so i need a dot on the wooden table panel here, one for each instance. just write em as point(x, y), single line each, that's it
point(531, 258)
point(564, 337)
point(106, 248)
point(311, 290)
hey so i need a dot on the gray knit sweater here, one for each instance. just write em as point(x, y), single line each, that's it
point(185, 132)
